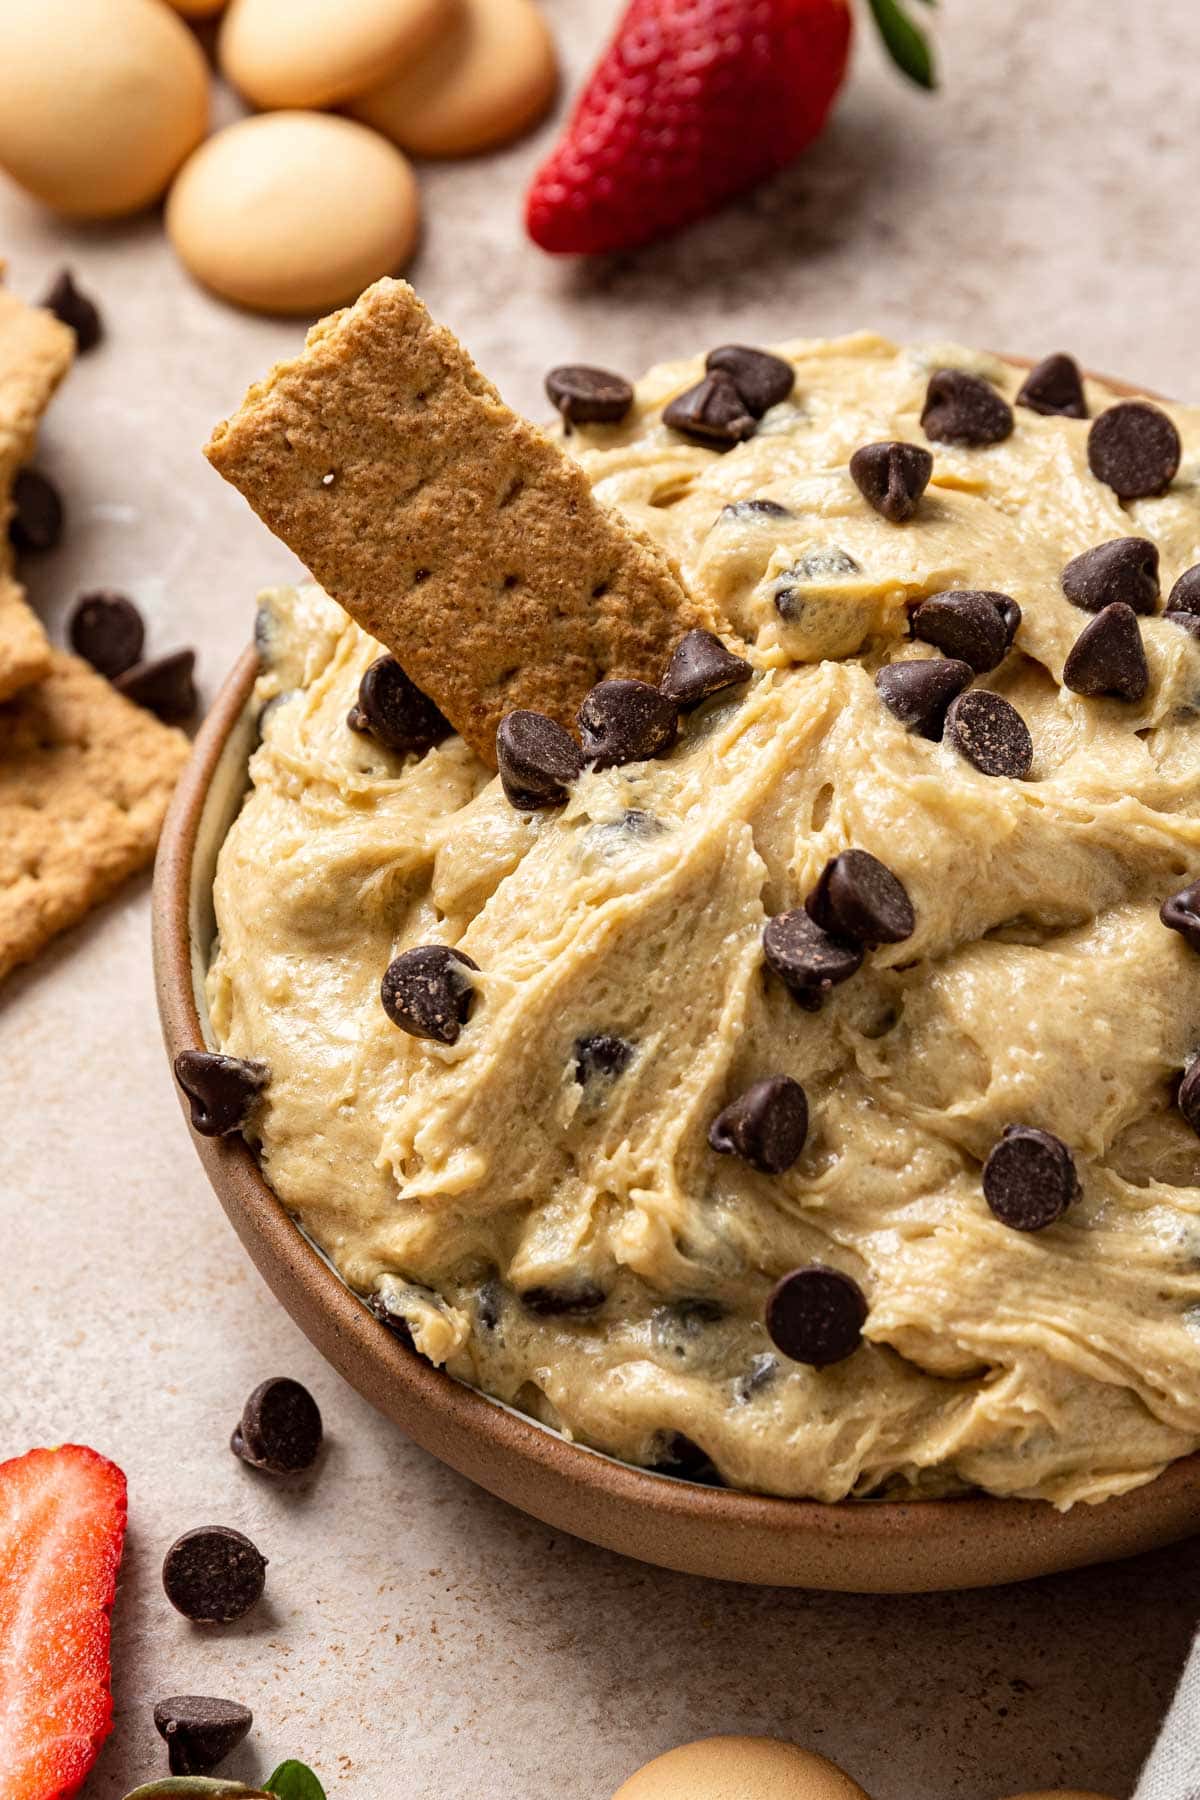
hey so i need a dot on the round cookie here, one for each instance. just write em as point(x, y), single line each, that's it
point(309, 53)
point(740, 1768)
point(103, 99)
point(491, 77)
point(293, 212)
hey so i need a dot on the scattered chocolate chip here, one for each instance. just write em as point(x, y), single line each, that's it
point(815, 1315)
point(713, 412)
point(762, 1371)
point(964, 409)
point(1186, 621)
point(537, 760)
point(106, 629)
point(393, 710)
point(1188, 1097)
point(601, 1055)
point(74, 308)
point(1181, 913)
point(37, 520)
point(626, 721)
point(1029, 1179)
point(213, 1575)
point(1108, 657)
point(1055, 386)
point(1134, 449)
point(587, 396)
point(990, 733)
point(891, 477)
point(969, 626)
point(280, 1428)
point(220, 1089)
point(546, 1302)
point(396, 1322)
point(200, 1732)
point(700, 665)
point(766, 1126)
point(919, 693)
point(806, 959)
point(165, 686)
point(681, 1457)
point(761, 379)
point(1124, 569)
point(755, 509)
point(858, 897)
point(1185, 595)
point(426, 992)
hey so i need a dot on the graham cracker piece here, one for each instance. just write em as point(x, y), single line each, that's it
point(85, 777)
point(450, 528)
point(24, 646)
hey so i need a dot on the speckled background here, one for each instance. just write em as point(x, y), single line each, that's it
point(419, 1639)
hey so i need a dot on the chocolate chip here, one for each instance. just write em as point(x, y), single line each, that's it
point(393, 710)
point(396, 1322)
point(73, 308)
point(713, 412)
point(626, 721)
point(1010, 613)
point(1188, 1097)
point(200, 1732)
point(1186, 621)
point(602, 1055)
point(964, 409)
point(919, 693)
point(700, 665)
point(1124, 569)
point(1029, 1179)
point(891, 477)
point(990, 733)
point(766, 1126)
point(37, 520)
point(755, 509)
point(547, 1302)
point(683, 1458)
point(220, 1089)
point(1108, 658)
point(106, 629)
point(1055, 387)
point(1185, 595)
point(967, 625)
point(537, 760)
point(761, 379)
point(165, 686)
point(426, 992)
point(807, 959)
point(280, 1428)
point(1181, 913)
point(1134, 449)
point(858, 897)
point(213, 1575)
point(587, 396)
point(815, 1315)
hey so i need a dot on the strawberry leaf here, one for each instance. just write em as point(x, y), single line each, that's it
point(293, 1781)
point(905, 42)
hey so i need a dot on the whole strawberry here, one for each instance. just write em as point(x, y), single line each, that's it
point(692, 102)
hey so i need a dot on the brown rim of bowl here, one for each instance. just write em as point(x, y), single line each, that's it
point(864, 1546)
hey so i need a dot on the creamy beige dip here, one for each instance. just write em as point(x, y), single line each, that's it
point(1039, 987)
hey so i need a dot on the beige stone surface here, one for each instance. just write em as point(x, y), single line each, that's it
point(418, 1638)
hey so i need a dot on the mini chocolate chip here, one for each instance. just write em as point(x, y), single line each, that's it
point(626, 721)
point(1181, 913)
point(766, 1126)
point(280, 1428)
point(806, 959)
point(1134, 449)
point(1055, 387)
point(683, 1458)
point(891, 477)
point(200, 1732)
point(601, 1055)
point(815, 1315)
point(165, 686)
point(964, 409)
point(537, 760)
point(1186, 621)
point(396, 1322)
point(547, 1302)
point(1029, 1179)
point(964, 624)
point(1123, 569)
point(426, 992)
point(990, 733)
point(700, 665)
point(587, 396)
point(393, 710)
point(761, 379)
point(755, 509)
point(73, 308)
point(1188, 1097)
point(37, 520)
point(1108, 658)
point(213, 1575)
point(713, 412)
point(858, 897)
point(220, 1089)
point(106, 629)
point(1185, 595)
point(919, 693)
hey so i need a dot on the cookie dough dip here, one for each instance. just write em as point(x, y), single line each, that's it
point(781, 1071)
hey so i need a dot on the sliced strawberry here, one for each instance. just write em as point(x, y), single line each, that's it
point(62, 1528)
